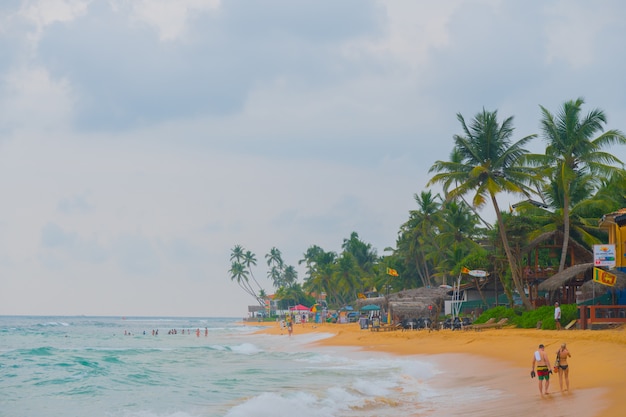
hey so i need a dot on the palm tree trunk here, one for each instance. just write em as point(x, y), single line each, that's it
point(421, 269)
point(473, 209)
point(515, 270)
point(480, 291)
point(566, 227)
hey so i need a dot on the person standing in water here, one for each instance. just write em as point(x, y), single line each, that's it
point(562, 356)
point(543, 369)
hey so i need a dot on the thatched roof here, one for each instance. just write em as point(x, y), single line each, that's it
point(562, 278)
point(611, 219)
point(559, 279)
point(591, 289)
point(411, 309)
point(422, 294)
point(362, 302)
point(411, 303)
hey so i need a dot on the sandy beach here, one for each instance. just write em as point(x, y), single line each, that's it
point(500, 359)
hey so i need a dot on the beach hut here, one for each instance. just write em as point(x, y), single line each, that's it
point(579, 278)
point(412, 303)
point(534, 275)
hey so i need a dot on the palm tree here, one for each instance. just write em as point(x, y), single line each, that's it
point(490, 164)
point(239, 274)
point(249, 259)
point(363, 253)
point(456, 237)
point(346, 277)
point(290, 276)
point(240, 269)
point(571, 150)
point(237, 253)
point(456, 156)
point(311, 258)
point(417, 235)
point(276, 264)
point(319, 278)
point(585, 211)
point(291, 295)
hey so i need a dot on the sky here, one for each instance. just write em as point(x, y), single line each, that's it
point(141, 140)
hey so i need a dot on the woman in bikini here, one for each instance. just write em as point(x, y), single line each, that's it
point(563, 354)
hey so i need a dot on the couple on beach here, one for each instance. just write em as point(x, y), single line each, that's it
point(540, 358)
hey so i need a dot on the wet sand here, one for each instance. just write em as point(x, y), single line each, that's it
point(501, 359)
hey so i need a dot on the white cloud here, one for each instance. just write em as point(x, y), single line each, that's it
point(42, 13)
point(32, 99)
point(574, 31)
point(142, 140)
point(412, 31)
point(170, 18)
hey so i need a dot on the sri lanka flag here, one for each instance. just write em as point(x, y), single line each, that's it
point(392, 272)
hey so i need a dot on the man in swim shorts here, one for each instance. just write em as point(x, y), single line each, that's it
point(543, 369)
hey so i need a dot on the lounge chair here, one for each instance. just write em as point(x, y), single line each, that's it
point(476, 326)
point(497, 325)
point(570, 324)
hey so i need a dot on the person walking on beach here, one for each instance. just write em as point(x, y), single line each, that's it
point(562, 356)
point(540, 359)
point(557, 315)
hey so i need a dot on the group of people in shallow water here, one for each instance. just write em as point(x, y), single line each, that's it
point(544, 370)
point(174, 331)
point(155, 332)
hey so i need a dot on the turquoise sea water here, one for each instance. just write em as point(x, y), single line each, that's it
point(116, 367)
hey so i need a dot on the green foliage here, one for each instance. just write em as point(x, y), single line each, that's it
point(543, 314)
point(477, 259)
point(569, 312)
point(497, 313)
point(529, 319)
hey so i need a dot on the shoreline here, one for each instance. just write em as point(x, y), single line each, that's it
point(501, 359)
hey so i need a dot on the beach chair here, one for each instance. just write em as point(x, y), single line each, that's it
point(501, 323)
point(477, 326)
point(497, 325)
point(570, 324)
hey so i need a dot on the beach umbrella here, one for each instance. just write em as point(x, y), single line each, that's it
point(370, 307)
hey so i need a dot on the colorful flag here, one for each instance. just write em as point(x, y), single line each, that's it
point(464, 270)
point(392, 272)
point(603, 277)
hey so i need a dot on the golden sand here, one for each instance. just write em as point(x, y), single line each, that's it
point(502, 358)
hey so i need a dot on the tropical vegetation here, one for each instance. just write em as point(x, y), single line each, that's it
point(566, 189)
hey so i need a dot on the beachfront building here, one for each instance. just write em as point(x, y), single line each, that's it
point(615, 225)
point(578, 279)
point(541, 260)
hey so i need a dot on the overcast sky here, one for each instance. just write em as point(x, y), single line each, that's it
point(140, 140)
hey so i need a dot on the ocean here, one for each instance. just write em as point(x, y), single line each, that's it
point(121, 367)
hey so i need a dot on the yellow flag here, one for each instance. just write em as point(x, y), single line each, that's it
point(603, 277)
point(464, 270)
point(392, 272)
